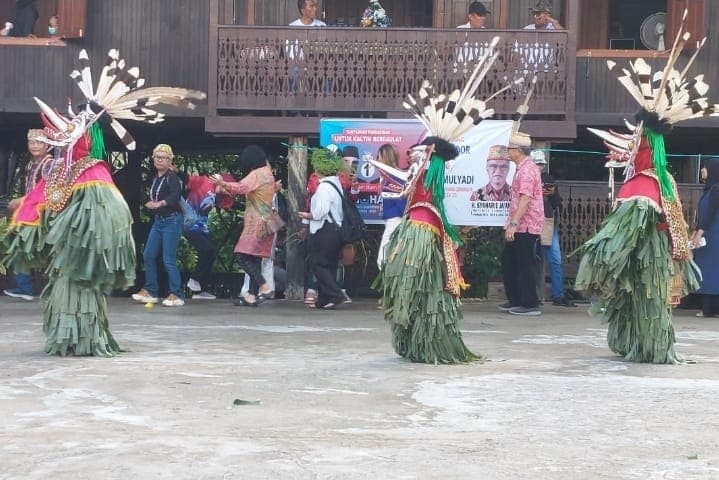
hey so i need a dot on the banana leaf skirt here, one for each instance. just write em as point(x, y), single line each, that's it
point(423, 316)
point(627, 267)
point(90, 252)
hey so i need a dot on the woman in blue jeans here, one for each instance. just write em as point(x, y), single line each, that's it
point(165, 232)
point(552, 252)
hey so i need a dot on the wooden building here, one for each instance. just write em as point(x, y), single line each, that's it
point(272, 82)
point(241, 53)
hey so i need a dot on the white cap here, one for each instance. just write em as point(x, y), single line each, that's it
point(538, 157)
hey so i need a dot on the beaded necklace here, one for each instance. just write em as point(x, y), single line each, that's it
point(155, 192)
point(62, 179)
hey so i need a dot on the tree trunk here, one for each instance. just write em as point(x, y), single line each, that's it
point(297, 186)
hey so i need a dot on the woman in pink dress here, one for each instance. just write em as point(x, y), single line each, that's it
point(255, 242)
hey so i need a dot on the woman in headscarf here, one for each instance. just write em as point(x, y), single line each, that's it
point(706, 253)
point(255, 242)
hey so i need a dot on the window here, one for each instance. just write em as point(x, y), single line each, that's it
point(71, 22)
point(616, 24)
point(636, 24)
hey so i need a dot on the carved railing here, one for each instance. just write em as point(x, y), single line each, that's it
point(364, 70)
point(586, 204)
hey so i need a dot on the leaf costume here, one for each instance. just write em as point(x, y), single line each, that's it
point(421, 279)
point(639, 265)
point(75, 219)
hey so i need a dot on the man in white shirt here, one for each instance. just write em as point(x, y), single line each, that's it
point(325, 241)
point(308, 18)
point(466, 55)
point(477, 16)
point(308, 15)
point(542, 15)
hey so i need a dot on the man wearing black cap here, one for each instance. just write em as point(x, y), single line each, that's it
point(542, 16)
point(477, 16)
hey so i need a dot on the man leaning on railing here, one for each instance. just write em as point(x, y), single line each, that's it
point(293, 50)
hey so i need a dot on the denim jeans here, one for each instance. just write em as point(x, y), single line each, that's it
point(164, 238)
point(553, 257)
point(23, 282)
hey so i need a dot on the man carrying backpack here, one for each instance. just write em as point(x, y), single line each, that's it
point(325, 217)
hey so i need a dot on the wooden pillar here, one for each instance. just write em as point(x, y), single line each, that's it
point(296, 253)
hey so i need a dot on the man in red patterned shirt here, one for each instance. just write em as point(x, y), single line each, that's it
point(522, 231)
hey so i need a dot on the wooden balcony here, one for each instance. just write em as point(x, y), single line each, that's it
point(258, 74)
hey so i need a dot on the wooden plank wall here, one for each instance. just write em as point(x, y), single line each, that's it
point(598, 92)
point(167, 39)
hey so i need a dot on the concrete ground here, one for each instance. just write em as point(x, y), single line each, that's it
point(212, 391)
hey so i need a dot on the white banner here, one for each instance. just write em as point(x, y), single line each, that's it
point(476, 191)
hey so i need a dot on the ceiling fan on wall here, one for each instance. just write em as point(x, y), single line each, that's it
point(652, 31)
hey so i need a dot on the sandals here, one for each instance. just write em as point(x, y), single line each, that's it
point(326, 306)
point(262, 297)
point(241, 302)
point(311, 296)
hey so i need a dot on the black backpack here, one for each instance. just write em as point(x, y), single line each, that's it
point(353, 227)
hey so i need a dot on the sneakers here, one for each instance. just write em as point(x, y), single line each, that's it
point(526, 311)
point(505, 307)
point(144, 297)
point(203, 296)
point(17, 293)
point(347, 297)
point(173, 301)
point(194, 285)
point(311, 296)
point(563, 302)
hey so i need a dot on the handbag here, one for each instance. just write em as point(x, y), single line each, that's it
point(547, 232)
point(274, 222)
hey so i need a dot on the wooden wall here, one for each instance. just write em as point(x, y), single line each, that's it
point(601, 100)
point(167, 39)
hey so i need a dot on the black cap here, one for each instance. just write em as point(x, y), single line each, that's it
point(350, 151)
point(478, 8)
point(541, 7)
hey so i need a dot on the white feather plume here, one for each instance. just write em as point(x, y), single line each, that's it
point(668, 92)
point(120, 95)
point(449, 116)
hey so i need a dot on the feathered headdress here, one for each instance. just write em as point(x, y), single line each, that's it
point(623, 148)
point(665, 98)
point(119, 95)
point(448, 117)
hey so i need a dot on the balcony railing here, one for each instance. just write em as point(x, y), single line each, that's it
point(372, 70)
